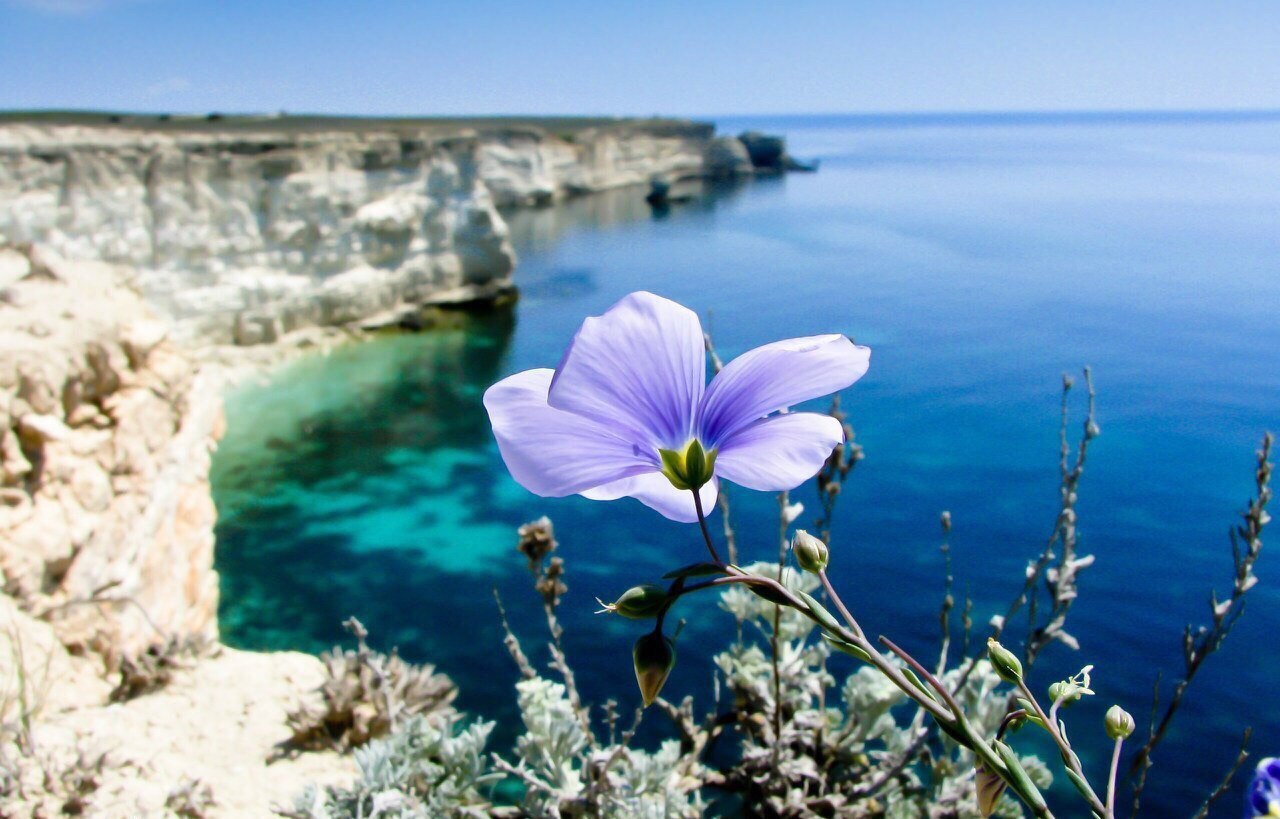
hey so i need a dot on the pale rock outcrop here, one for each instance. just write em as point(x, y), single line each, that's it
point(235, 230)
point(215, 730)
point(532, 166)
point(106, 518)
point(242, 234)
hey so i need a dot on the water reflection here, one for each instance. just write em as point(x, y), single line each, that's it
point(536, 230)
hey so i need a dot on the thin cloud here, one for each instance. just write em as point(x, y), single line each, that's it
point(68, 8)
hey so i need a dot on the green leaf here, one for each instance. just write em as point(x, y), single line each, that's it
point(695, 570)
point(847, 648)
point(1026, 788)
point(768, 593)
point(911, 675)
point(1079, 782)
point(824, 617)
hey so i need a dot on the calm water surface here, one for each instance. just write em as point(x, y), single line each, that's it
point(980, 258)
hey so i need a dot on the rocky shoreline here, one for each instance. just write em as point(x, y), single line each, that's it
point(244, 230)
point(142, 265)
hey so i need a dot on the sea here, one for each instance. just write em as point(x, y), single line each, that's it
point(981, 257)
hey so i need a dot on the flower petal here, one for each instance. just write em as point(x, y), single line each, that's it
point(777, 376)
point(655, 491)
point(641, 365)
point(551, 452)
point(780, 452)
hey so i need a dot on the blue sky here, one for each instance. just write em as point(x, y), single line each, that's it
point(613, 57)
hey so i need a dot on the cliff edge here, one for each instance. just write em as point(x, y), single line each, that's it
point(242, 230)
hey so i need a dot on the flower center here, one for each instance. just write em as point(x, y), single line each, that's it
point(690, 467)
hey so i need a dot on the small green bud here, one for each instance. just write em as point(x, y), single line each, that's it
point(653, 655)
point(1120, 723)
point(1007, 666)
point(811, 553)
point(638, 602)
point(689, 468)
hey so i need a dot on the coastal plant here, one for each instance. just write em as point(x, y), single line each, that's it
point(627, 413)
point(154, 667)
point(428, 767)
point(191, 799)
point(364, 696)
point(785, 736)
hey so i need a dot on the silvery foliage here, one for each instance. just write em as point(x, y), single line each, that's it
point(837, 739)
point(568, 773)
point(427, 768)
point(831, 748)
point(432, 768)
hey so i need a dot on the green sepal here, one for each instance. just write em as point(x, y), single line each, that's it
point(689, 468)
point(641, 602)
point(847, 648)
point(695, 570)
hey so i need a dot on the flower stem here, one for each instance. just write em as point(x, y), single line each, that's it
point(706, 533)
point(1069, 757)
point(1111, 783)
point(947, 713)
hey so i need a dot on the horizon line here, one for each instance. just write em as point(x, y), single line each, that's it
point(916, 114)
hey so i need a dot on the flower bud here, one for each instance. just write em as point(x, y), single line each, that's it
point(1007, 666)
point(638, 602)
point(653, 655)
point(811, 553)
point(1120, 723)
point(689, 468)
point(990, 787)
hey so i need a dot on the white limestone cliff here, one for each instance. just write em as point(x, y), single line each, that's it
point(243, 234)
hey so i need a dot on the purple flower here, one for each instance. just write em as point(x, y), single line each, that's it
point(633, 383)
point(1263, 796)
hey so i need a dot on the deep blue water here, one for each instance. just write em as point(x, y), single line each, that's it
point(980, 258)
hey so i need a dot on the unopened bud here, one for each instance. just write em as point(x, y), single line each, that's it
point(653, 655)
point(1007, 666)
point(689, 468)
point(1120, 723)
point(638, 602)
point(811, 553)
point(990, 787)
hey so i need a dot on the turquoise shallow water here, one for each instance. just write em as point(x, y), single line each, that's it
point(980, 258)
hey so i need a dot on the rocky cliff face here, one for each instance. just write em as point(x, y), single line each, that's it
point(243, 234)
point(106, 520)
